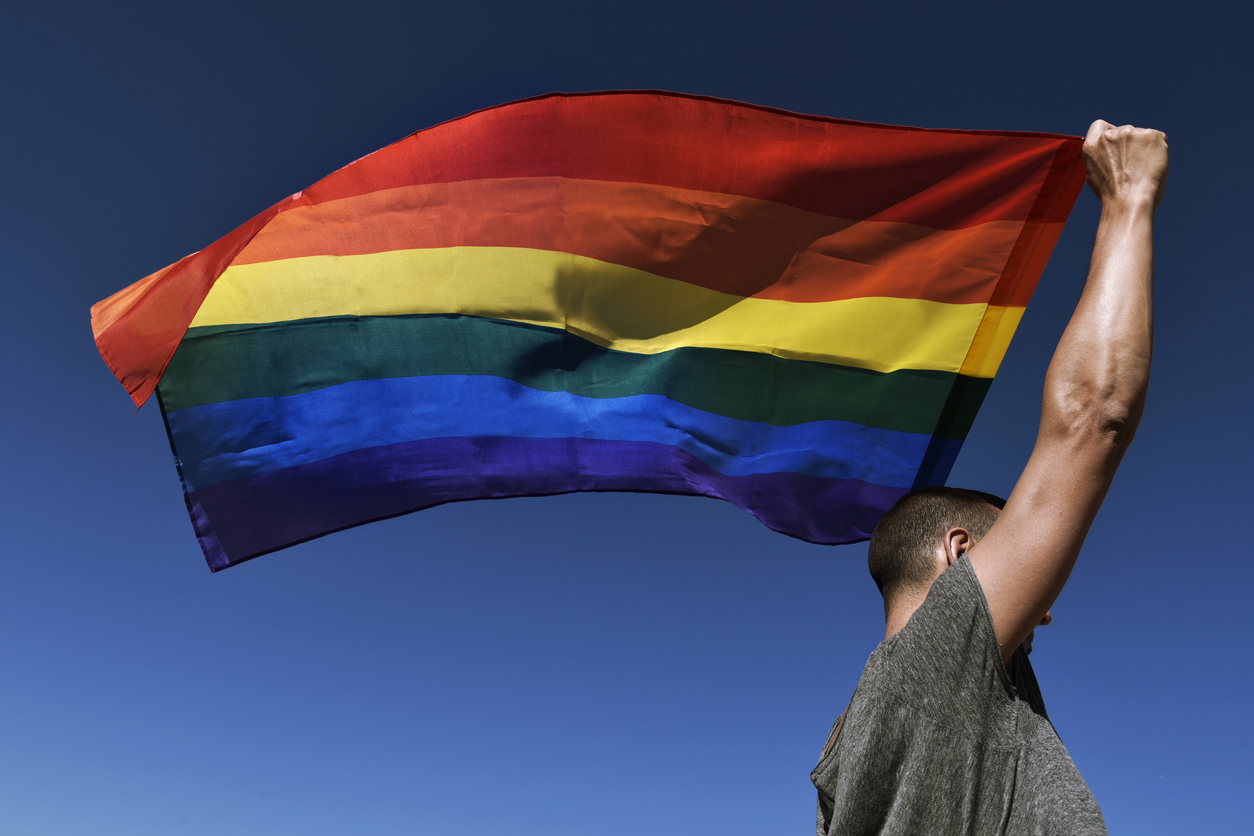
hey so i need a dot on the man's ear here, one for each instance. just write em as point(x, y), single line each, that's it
point(956, 543)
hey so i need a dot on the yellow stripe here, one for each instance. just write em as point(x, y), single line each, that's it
point(614, 306)
point(991, 341)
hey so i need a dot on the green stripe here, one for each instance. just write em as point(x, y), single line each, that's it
point(230, 362)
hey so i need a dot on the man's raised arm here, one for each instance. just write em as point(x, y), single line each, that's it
point(1094, 393)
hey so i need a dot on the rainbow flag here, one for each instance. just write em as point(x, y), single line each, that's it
point(632, 291)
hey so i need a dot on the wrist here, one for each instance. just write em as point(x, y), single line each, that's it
point(1131, 202)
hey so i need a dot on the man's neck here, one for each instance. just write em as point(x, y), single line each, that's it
point(898, 615)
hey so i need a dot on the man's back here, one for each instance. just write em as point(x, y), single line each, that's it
point(938, 739)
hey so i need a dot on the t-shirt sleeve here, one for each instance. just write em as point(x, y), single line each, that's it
point(947, 655)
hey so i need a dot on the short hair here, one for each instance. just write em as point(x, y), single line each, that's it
point(905, 539)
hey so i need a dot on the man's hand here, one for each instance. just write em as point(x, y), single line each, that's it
point(1126, 164)
point(1094, 393)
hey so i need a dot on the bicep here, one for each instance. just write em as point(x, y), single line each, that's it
point(1025, 559)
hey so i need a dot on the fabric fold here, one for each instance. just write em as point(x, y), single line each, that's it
point(626, 291)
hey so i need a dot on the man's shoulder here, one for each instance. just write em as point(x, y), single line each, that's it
point(945, 663)
point(953, 621)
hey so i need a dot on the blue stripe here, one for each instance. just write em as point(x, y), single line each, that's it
point(222, 441)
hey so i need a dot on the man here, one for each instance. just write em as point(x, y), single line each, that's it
point(946, 732)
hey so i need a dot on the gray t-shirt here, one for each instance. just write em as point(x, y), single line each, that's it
point(939, 740)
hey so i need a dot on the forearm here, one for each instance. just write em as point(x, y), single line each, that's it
point(1097, 381)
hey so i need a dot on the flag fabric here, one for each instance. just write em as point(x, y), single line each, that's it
point(631, 291)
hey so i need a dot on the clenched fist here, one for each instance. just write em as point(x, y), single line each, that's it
point(1126, 164)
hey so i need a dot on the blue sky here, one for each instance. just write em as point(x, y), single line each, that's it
point(615, 664)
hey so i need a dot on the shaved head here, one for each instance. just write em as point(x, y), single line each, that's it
point(903, 547)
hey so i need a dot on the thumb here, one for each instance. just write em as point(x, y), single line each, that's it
point(1096, 130)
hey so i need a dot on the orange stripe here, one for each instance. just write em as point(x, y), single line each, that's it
point(108, 311)
point(735, 245)
point(1026, 263)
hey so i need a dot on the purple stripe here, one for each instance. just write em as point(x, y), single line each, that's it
point(252, 515)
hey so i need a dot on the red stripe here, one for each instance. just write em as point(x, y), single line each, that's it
point(859, 171)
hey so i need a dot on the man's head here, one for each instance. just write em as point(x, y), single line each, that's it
point(903, 557)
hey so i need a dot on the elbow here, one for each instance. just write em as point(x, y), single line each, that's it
point(1117, 422)
point(1098, 418)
